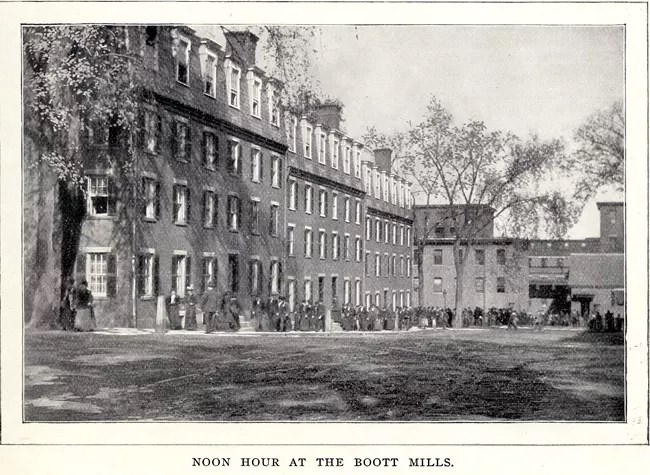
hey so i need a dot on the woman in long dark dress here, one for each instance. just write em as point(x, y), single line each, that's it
point(85, 318)
point(173, 310)
point(190, 309)
point(68, 305)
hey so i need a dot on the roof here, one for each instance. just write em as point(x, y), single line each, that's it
point(609, 203)
point(597, 270)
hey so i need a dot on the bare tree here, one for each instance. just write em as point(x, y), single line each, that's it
point(469, 170)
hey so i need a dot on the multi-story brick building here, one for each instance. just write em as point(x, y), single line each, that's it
point(233, 191)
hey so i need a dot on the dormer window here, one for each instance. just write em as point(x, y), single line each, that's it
point(274, 112)
point(321, 148)
point(346, 160)
point(210, 76)
point(256, 97)
point(234, 80)
point(307, 141)
point(335, 154)
point(183, 61)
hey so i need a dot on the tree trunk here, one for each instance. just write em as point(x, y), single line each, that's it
point(459, 265)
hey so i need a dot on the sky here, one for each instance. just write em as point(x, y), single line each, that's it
point(542, 80)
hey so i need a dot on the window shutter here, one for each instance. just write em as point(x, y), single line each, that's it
point(280, 286)
point(188, 271)
point(239, 214)
point(204, 274)
point(81, 266)
point(143, 197)
point(204, 205)
point(327, 205)
point(174, 273)
point(157, 200)
point(188, 197)
point(156, 276)
point(270, 283)
point(158, 132)
point(215, 211)
point(174, 139)
point(111, 278)
point(140, 276)
point(280, 172)
point(252, 163)
point(112, 196)
point(216, 150)
point(188, 144)
point(204, 149)
point(250, 276)
point(261, 167)
point(141, 128)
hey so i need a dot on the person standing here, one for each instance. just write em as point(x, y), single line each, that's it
point(173, 311)
point(210, 307)
point(233, 311)
point(513, 320)
point(190, 309)
point(85, 317)
point(68, 305)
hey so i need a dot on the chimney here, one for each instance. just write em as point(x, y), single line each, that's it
point(383, 159)
point(242, 44)
point(329, 115)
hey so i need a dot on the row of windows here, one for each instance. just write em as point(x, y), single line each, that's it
point(479, 285)
point(209, 62)
point(546, 262)
point(151, 127)
point(324, 203)
point(387, 188)
point(387, 232)
point(390, 265)
point(340, 248)
point(479, 257)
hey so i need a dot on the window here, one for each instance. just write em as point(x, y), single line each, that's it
point(357, 211)
point(308, 199)
point(256, 97)
point(401, 266)
point(291, 241)
point(357, 292)
point(321, 288)
point(393, 263)
point(401, 235)
point(437, 285)
point(367, 263)
point(335, 154)
point(182, 141)
point(210, 76)
point(346, 160)
point(322, 244)
point(346, 247)
point(183, 61)
point(346, 291)
point(100, 199)
point(357, 249)
point(336, 246)
point(275, 277)
point(408, 299)
point(346, 210)
point(408, 267)
point(147, 275)
point(208, 272)
point(293, 195)
point(394, 234)
point(293, 130)
point(385, 188)
point(335, 288)
point(309, 245)
point(377, 184)
point(377, 230)
point(274, 112)
point(386, 232)
point(151, 194)
point(307, 290)
point(501, 257)
point(234, 157)
point(255, 276)
point(209, 209)
point(101, 273)
point(335, 206)
point(181, 273)
point(255, 217)
point(322, 203)
point(291, 294)
point(368, 229)
point(256, 165)
point(479, 285)
point(322, 144)
point(377, 265)
point(150, 130)
point(357, 164)
point(543, 262)
point(274, 220)
point(210, 150)
point(276, 171)
point(233, 273)
point(307, 141)
point(377, 299)
point(501, 285)
point(181, 204)
point(234, 82)
point(234, 213)
point(439, 231)
point(408, 236)
point(479, 256)
point(368, 182)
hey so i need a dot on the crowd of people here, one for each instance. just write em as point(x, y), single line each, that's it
point(77, 310)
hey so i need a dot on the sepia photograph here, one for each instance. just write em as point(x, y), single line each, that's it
point(324, 223)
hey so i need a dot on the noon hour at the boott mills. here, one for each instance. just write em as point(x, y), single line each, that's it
point(321, 223)
point(323, 462)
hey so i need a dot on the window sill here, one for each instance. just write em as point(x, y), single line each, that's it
point(233, 230)
point(210, 95)
point(234, 106)
point(149, 220)
point(256, 181)
point(292, 209)
point(182, 83)
point(184, 225)
point(258, 117)
point(147, 298)
point(102, 217)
